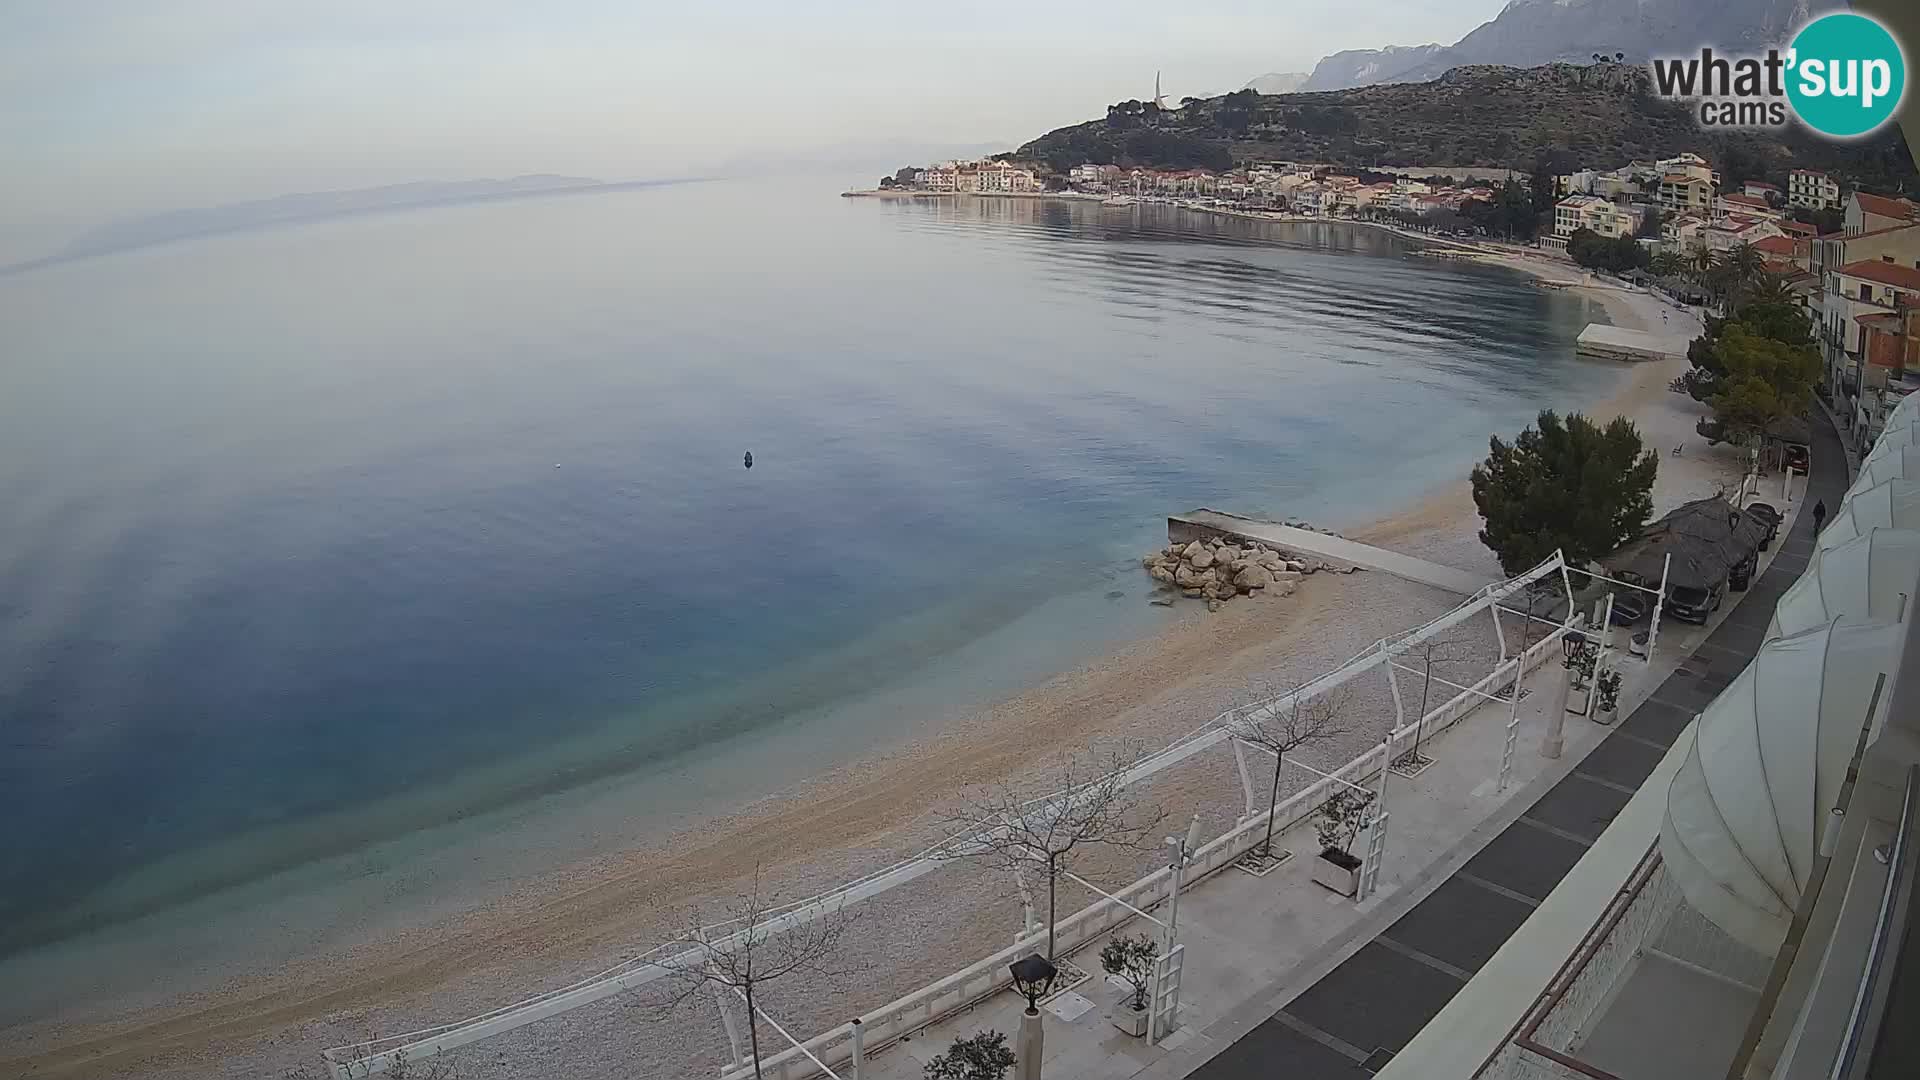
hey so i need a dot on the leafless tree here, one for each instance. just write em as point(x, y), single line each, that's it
point(1284, 724)
point(1431, 652)
point(752, 945)
point(1090, 808)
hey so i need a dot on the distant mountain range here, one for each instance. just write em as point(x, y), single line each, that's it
point(1528, 33)
point(311, 206)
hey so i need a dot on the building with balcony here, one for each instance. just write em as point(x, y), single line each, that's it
point(1812, 189)
point(1684, 193)
point(1609, 219)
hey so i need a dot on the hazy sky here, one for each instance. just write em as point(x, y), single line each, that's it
point(109, 107)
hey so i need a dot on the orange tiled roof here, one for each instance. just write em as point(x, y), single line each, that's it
point(1881, 206)
point(1886, 273)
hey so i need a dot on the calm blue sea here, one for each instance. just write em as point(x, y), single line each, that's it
point(323, 537)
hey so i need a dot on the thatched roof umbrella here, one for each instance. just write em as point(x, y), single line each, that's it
point(1706, 538)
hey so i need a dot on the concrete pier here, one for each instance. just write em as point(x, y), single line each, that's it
point(1207, 524)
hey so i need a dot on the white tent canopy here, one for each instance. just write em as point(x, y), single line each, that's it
point(1894, 504)
point(1866, 579)
point(1900, 463)
point(1746, 810)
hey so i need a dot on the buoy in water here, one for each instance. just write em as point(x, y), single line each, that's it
point(749, 459)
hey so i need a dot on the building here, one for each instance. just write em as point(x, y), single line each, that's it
point(1730, 232)
point(1851, 291)
point(1684, 193)
point(1684, 233)
point(1760, 189)
point(1811, 189)
point(1869, 213)
point(1749, 205)
point(1095, 177)
point(1893, 341)
point(1609, 219)
point(1785, 254)
point(1006, 178)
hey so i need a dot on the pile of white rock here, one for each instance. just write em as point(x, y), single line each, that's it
point(1218, 570)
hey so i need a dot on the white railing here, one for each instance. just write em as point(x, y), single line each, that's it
point(934, 1002)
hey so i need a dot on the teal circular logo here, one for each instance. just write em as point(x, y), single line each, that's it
point(1846, 75)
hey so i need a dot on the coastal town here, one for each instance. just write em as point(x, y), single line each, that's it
point(1849, 257)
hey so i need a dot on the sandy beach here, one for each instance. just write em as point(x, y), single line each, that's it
point(853, 819)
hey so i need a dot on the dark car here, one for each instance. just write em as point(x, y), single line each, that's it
point(1796, 458)
point(1766, 513)
point(1630, 606)
point(1690, 604)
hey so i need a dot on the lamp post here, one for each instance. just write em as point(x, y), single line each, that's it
point(1573, 644)
point(1032, 977)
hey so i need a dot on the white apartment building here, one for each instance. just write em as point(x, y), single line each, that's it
point(1812, 189)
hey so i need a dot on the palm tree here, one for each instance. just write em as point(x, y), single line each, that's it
point(1704, 260)
point(1667, 264)
point(1746, 262)
point(1769, 288)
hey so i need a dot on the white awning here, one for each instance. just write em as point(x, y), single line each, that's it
point(1905, 411)
point(1901, 463)
point(1869, 578)
point(1746, 810)
point(1894, 504)
point(1892, 440)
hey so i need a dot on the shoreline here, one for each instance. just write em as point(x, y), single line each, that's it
point(825, 828)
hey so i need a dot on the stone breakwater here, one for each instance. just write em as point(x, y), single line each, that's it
point(1219, 570)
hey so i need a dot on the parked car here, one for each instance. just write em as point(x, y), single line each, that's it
point(1766, 512)
point(1796, 458)
point(1694, 605)
point(1630, 606)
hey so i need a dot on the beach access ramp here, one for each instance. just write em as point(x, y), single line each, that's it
point(1205, 524)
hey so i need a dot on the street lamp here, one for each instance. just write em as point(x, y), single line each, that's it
point(1572, 643)
point(1032, 977)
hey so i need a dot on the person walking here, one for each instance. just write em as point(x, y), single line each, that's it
point(1819, 515)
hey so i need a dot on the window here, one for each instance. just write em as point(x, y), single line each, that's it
point(1866, 292)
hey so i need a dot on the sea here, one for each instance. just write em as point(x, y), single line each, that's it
point(356, 569)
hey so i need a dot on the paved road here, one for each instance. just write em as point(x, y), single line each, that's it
point(1349, 1025)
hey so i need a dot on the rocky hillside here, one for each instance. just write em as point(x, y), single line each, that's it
point(1497, 117)
point(1528, 33)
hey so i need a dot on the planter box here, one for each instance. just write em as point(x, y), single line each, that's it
point(1128, 1019)
point(1338, 871)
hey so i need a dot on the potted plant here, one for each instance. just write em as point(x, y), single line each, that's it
point(1339, 823)
point(1131, 959)
point(980, 1056)
point(1607, 703)
point(1580, 664)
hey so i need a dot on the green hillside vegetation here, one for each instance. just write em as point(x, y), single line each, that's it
point(1599, 115)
